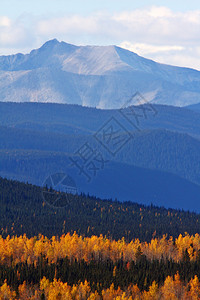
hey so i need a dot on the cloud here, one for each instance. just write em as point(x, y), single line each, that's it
point(155, 32)
point(13, 33)
point(5, 21)
point(158, 25)
point(173, 55)
point(145, 49)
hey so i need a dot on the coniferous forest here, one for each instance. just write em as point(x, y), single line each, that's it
point(73, 267)
point(88, 248)
point(25, 210)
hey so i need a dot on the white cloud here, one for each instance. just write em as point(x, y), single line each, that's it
point(155, 32)
point(145, 49)
point(173, 55)
point(13, 33)
point(11, 36)
point(185, 59)
point(160, 12)
point(159, 25)
point(155, 25)
point(5, 21)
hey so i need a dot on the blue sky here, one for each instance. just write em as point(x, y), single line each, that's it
point(166, 31)
point(14, 8)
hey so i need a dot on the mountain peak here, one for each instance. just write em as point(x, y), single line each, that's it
point(52, 47)
point(101, 76)
point(51, 43)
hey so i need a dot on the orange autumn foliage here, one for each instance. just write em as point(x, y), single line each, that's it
point(20, 249)
point(172, 289)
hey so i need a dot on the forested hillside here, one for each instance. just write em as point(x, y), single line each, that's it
point(154, 149)
point(99, 268)
point(66, 118)
point(159, 163)
point(24, 210)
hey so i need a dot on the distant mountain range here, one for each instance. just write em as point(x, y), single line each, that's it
point(94, 76)
point(160, 164)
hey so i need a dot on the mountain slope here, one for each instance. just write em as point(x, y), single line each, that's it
point(65, 128)
point(96, 76)
point(23, 211)
point(154, 149)
point(194, 107)
point(70, 118)
point(116, 180)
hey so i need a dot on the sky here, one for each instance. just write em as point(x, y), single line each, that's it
point(165, 31)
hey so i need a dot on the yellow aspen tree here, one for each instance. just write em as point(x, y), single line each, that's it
point(168, 290)
point(6, 293)
point(178, 285)
point(153, 292)
point(194, 285)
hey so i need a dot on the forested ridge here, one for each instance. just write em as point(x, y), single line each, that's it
point(160, 164)
point(24, 211)
point(159, 149)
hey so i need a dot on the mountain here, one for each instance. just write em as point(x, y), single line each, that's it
point(194, 107)
point(71, 119)
point(160, 164)
point(153, 149)
point(115, 181)
point(96, 76)
point(37, 139)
